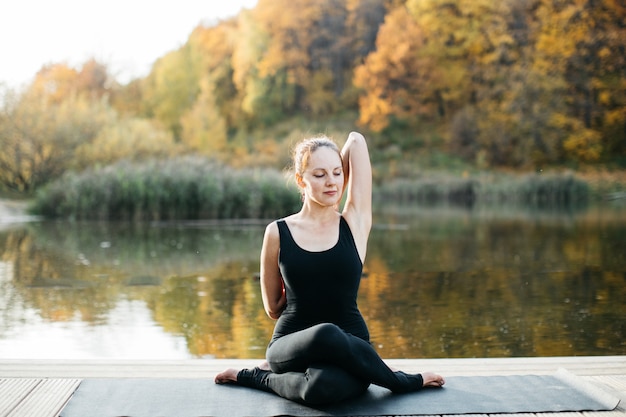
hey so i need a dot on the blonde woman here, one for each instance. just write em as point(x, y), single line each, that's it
point(311, 265)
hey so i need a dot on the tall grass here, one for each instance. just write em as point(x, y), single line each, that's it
point(535, 190)
point(178, 188)
point(196, 188)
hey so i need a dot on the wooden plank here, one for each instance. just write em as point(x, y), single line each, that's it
point(13, 391)
point(207, 368)
point(614, 413)
point(614, 385)
point(616, 381)
point(594, 365)
point(46, 399)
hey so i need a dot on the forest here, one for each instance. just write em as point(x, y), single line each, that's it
point(458, 85)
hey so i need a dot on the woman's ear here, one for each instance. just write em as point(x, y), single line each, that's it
point(299, 180)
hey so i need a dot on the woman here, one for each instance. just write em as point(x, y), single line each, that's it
point(311, 264)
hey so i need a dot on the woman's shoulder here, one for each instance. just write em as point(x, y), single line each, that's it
point(293, 220)
point(272, 229)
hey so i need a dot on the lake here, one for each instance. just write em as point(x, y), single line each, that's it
point(438, 283)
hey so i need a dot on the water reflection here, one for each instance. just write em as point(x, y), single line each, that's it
point(438, 283)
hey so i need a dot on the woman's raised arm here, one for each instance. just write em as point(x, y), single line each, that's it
point(358, 184)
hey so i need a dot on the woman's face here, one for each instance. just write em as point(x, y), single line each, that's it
point(322, 179)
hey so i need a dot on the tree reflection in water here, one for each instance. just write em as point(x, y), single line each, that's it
point(437, 283)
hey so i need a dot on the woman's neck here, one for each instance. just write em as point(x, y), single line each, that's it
point(315, 212)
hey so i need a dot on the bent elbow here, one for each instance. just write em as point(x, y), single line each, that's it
point(275, 311)
point(274, 315)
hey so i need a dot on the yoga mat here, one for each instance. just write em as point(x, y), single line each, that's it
point(461, 395)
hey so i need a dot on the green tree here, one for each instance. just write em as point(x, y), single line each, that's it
point(172, 87)
point(204, 129)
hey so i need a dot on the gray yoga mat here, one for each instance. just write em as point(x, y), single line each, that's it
point(461, 395)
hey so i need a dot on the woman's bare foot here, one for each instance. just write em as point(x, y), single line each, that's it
point(432, 380)
point(228, 376)
point(264, 366)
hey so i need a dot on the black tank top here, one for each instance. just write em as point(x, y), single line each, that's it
point(321, 287)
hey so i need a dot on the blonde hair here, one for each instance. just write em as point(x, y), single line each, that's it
point(303, 151)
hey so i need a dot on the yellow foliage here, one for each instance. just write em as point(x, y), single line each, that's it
point(580, 143)
point(212, 46)
point(172, 87)
point(248, 49)
point(55, 83)
point(286, 22)
point(132, 139)
point(584, 145)
point(320, 97)
point(374, 112)
point(38, 136)
point(526, 70)
point(203, 127)
point(616, 117)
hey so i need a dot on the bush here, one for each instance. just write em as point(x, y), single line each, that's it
point(430, 190)
point(551, 190)
point(180, 188)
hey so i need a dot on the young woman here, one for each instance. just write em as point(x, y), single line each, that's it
point(311, 264)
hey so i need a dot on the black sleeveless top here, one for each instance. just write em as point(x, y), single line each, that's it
point(321, 287)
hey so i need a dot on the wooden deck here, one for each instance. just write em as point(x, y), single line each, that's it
point(40, 388)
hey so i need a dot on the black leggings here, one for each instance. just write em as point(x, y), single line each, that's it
point(323, 364)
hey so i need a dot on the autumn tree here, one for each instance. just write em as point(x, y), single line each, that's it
point(127, 99)
point(393, 75)
point(56, 82)
point(172, 87)
point(284, 67)
point(515, 99)
point(126, 138)
point(254, 91)
point(593, 64)
point(41, 127)
point(555, 97)
point(39, 136)
point(204, 128)
point(429, 62)
point(311, 51)
point(364, 20)
point(206, 123)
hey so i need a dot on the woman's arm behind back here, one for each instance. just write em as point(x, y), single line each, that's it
point(272, 287)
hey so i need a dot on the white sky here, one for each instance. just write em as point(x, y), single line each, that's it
point(126, 35)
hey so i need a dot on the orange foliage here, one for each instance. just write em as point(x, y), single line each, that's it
point(393, 75)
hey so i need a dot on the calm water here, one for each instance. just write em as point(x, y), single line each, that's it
point(437, 283)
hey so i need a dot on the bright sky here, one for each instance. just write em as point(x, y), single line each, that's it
point(126, 35)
